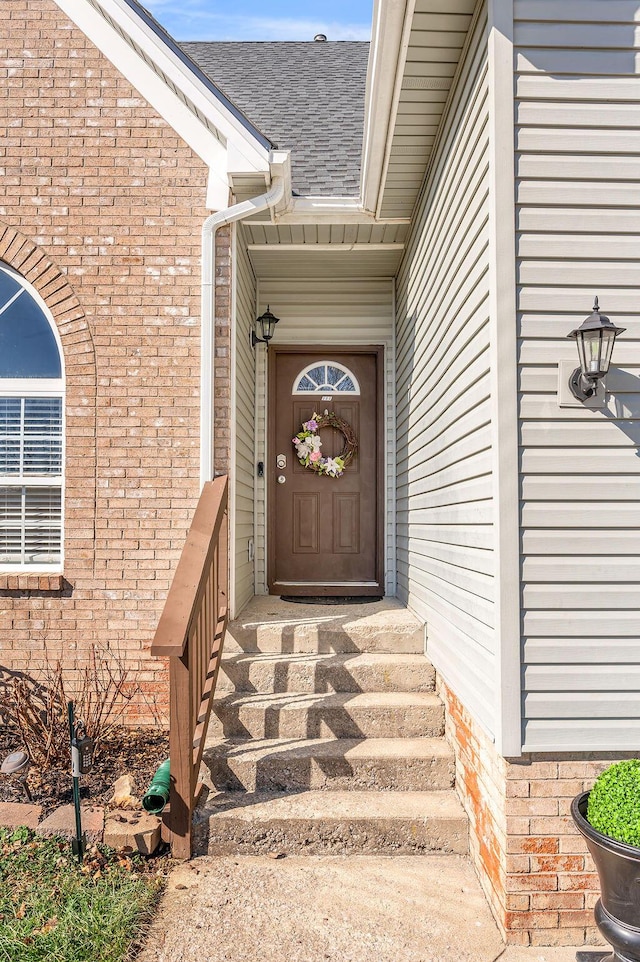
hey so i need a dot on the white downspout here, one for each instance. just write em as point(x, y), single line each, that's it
point(211, 225)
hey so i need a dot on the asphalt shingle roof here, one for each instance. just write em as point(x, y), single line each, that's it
point(308, 97)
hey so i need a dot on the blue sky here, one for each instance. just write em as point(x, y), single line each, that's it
point(256, 20)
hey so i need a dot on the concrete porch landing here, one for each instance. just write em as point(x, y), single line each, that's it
point(311, 909)
point(268, 624)
point(330, 909)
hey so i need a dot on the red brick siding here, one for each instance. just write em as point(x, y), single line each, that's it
point(547, 860)
point(533, 865)
point(101, 207)
point(480, 783)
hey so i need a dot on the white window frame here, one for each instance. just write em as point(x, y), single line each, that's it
point(34, 387)
point(326, 390)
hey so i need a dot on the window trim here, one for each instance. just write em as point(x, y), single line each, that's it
point(28, 387)
point(325, 390)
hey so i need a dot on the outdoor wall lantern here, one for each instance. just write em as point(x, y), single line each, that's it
point(595, 339)
point(263, 328)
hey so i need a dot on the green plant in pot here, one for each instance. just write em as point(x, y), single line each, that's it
point(608, 817)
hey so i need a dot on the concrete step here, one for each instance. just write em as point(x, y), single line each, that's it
point(336, 764)
point(295, 715)
point(331, 822)
point(269, 624)
point(276, 672)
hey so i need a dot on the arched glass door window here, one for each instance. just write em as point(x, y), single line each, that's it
point(326, 377)
point(31, 429)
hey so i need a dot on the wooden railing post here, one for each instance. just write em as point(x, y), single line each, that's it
point(191, 634)
point(224, 562)
point(180, 736)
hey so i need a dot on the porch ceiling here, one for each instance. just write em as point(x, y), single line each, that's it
point(325, 250)
point(433, 40)
point(271, 262)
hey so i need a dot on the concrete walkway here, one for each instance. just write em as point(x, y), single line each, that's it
point(314, 909)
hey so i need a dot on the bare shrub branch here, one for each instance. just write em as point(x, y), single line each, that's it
point(101, 687)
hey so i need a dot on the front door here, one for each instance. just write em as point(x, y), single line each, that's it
point(325, 533)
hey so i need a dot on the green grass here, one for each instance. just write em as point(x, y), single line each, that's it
point(53, 908)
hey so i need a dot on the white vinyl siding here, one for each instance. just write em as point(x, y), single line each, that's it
point(337, 311)
point(445, 501)
point(578, 137)
point(244, 427)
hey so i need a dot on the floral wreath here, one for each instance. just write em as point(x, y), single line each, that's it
point(308, 443)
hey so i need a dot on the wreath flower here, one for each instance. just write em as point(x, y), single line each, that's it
point(308, 444)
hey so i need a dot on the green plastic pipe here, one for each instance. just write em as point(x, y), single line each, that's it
point(157, 795)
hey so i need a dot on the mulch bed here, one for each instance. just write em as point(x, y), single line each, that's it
point(136, 752)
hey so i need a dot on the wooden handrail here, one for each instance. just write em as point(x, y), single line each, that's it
point(191, 634)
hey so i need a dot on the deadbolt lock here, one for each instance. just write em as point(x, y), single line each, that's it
point(281, 461)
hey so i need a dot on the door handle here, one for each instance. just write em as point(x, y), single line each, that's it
point(281, 479)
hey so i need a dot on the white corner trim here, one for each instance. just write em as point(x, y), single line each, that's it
point(389, 43)
point(233, 381)
point(504, 385)
point(162, 79)
point(218, 192)
point(391, 435)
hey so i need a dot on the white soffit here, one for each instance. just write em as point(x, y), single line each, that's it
point(212, 126)
point(325, 250)
point(330, 261)
point(316, 236)
point(433, 37)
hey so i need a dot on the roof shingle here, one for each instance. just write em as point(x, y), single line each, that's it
point(308, 97)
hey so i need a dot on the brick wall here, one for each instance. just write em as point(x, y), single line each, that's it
point(101, 208)
point(552, 883)
point(480, 783)
point(533, 865)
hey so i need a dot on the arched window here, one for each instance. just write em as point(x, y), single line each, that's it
point(31, 429)
point(326, 376)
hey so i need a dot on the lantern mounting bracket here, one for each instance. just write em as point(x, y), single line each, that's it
point(582, 387)
point(567, 399)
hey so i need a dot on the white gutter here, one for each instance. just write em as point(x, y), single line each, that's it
point(392, 21)
point(208, 312)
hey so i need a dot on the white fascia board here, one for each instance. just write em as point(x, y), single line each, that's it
point(328, 248)
point(153, 87)
point(330, 210)
point(389, 41)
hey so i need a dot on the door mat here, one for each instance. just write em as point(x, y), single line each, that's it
point(331, 599)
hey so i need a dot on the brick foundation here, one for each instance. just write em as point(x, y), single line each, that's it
point(533, 865)
point(101, 208)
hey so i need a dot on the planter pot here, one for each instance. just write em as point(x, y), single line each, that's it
point(617, 911)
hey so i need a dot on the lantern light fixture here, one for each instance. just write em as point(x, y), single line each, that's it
point(595, 339)
point(263, 328)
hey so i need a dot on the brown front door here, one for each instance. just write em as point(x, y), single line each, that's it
point(325, 534)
